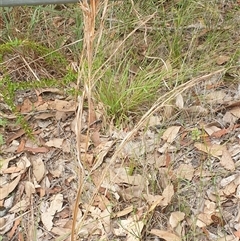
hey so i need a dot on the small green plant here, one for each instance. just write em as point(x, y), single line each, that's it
point(3, 123)
point(196, 134)
point(1, 140)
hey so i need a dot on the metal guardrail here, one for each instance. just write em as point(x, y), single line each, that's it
point(9, 3)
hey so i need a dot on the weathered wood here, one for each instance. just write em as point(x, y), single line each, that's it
point(9, 3)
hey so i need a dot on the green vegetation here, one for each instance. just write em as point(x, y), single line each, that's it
point(181, 40)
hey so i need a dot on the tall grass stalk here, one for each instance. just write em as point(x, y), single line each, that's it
point(89, 11)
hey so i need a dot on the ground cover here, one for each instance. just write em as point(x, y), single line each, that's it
point(120, 122)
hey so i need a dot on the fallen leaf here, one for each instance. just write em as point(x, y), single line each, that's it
point(15, 226)
point(216, 97)
point(132, 192)
point(21, 146)
point(212, 149)
point(179, 101)
point(27, 106)
point(175, 218)
point(4, 163)
point(36, 149)
point(171, 133)
point(100, 152)
point(48, 215)
point(167, 194)
point(210, 129)
point(204, 219)
point(222, 59)
point(168, 236)
point(154, 120)
point(123, 212)
point(220, 133)
point(230, 189)
point(65, 106)
point(29, 188)
point(20, 206)
point(13, 169)
point(167, 148)
point(7, 222)
point(9, 187)
point(237, 233)
point(155, 203)
point(235, 111)
point(227, 161)
point(228, 238)
point(229, 118)
point(38, 169)
point(44, 116)
point(95, 137)
point(55, 142)
point(185, 171)
point(15, 136)
point(196, 110)
point(120, 176)
point(225, 181)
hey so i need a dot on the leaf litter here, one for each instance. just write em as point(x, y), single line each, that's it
point(153, 171)
point(53, 179)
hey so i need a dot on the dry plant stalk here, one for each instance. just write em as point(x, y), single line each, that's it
point(89, 11)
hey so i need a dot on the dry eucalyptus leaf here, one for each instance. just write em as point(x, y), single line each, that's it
point(212, 149)
point(48, 215)
point(228, 238)
point(235, 111)
point(120, 175)
point(216, 97)
point(154, 120)
point(6, 223)
point(168, 236)
point(171, 133)
point(227, 161)
point(124, 212)
point(229, 118)
point(196, 110)
point(131, 192)
point(167, 194)
point(204, 219)
point(65, 106)
point(210, 129)
point(179, 101)
point(20, 206)
point(222, 59)
point(43, 116)
point(29, 188)
point(101, 151)
point(185, 171)
point(230, 189)
point(225, 181)
point(38, 169)
point(55, 142)
point(175, 218)
point(9, 187)
point(157, 202)
point(131, 228)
